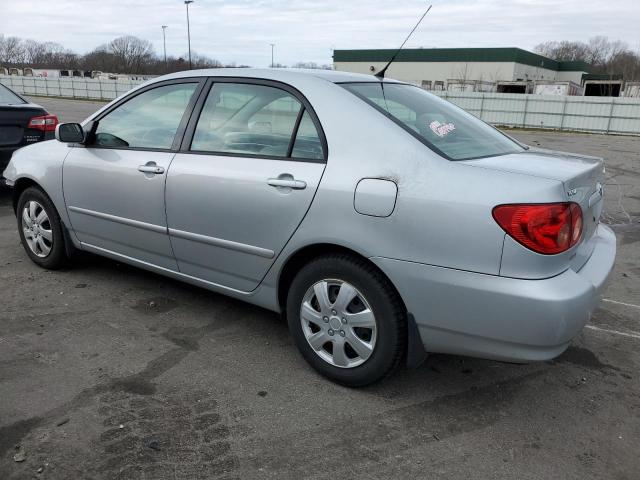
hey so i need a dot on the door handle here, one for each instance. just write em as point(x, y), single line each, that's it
point(287, 183)
point(151, 167)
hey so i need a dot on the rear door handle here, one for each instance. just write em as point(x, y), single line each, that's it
point(151, 167)
point(287, 183)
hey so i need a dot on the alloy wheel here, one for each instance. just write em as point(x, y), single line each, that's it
point(338, 323)
point(36, 227)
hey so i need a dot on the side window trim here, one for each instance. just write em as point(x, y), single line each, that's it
point(294, 133)
point(305, 107)
point(177, 139)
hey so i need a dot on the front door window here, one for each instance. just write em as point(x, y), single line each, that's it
point(149, 120)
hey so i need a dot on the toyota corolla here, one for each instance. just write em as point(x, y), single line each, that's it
point(382, 221)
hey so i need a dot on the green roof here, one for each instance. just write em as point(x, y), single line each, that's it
point(516, 55)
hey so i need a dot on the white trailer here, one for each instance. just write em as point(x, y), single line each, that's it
point(566, 88)
point(632, 90)
point(41, 72)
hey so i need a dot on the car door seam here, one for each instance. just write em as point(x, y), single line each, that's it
point(164, 201)
point(277, 256)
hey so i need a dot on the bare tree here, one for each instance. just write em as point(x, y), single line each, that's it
point(202, 61)
point(462, 75)
point(564, 50)
point(605, 56)
point(131, 53)
point(46, 54)
point(11, 51)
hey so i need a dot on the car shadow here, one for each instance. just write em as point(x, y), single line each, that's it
point(5, 195)
point(440, 372)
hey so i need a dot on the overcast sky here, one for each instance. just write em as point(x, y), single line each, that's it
point(308, 30)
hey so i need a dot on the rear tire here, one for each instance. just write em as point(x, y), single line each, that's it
point(352, 342)
point(41, 230)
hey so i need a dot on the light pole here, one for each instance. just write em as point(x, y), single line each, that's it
point(187, 2)
point(272, 45)
point(164, 43)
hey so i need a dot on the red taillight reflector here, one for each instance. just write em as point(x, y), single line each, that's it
point(46, 123)
point(547, 228)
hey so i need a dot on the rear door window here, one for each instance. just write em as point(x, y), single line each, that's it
point(307, 143)
point(7, 97)
point(255, 120)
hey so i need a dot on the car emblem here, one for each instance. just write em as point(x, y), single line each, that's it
point(572, 192)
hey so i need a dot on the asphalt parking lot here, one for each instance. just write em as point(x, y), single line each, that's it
point(111, 372)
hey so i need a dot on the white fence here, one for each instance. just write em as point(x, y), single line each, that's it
point(584, 114)
point(71, 87)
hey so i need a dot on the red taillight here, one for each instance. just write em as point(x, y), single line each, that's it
point(547, 228)
point(46, 123)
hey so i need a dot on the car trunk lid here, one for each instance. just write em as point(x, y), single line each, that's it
point(582, 177)
point(14, 120)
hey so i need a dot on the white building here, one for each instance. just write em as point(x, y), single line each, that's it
point(513, 68)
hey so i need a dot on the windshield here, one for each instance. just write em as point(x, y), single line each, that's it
point(7, 97)
point(443, 127)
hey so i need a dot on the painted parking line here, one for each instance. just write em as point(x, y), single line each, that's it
point(620, 303)
point(635, 335)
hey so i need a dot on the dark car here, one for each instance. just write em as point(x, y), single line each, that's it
point(21, 123)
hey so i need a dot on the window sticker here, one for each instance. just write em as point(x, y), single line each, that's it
point(440, 129)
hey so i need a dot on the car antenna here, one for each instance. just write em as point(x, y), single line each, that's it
point(381, 73)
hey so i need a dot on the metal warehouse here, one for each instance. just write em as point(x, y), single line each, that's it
point(508, 70)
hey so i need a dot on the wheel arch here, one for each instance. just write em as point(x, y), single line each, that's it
point(20, 185)
point(300, 257)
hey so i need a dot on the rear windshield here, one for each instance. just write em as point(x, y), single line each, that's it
point(443, 127)
point(7, 97)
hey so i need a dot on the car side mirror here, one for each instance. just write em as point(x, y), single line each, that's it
point(69, 133)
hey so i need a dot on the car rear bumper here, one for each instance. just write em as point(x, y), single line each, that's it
point(502, 318)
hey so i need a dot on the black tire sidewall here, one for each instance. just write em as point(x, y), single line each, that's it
point(379, 294)
point(57, 257)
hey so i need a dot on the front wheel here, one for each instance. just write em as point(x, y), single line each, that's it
point(347, 320)
point(40, 229)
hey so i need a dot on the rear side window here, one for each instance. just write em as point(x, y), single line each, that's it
point(443, 127)
point(255, 120)
point(307, 143)
point(7, 97)
point(149, 120)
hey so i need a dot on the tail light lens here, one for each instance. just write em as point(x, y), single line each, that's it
point(46, 123)
point(548, 228)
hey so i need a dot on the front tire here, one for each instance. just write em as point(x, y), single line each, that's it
point(41, 230)
point(347, 320)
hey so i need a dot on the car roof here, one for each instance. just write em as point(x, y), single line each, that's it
point(288, 75)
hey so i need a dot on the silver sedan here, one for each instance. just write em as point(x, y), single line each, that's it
point(382, 221)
